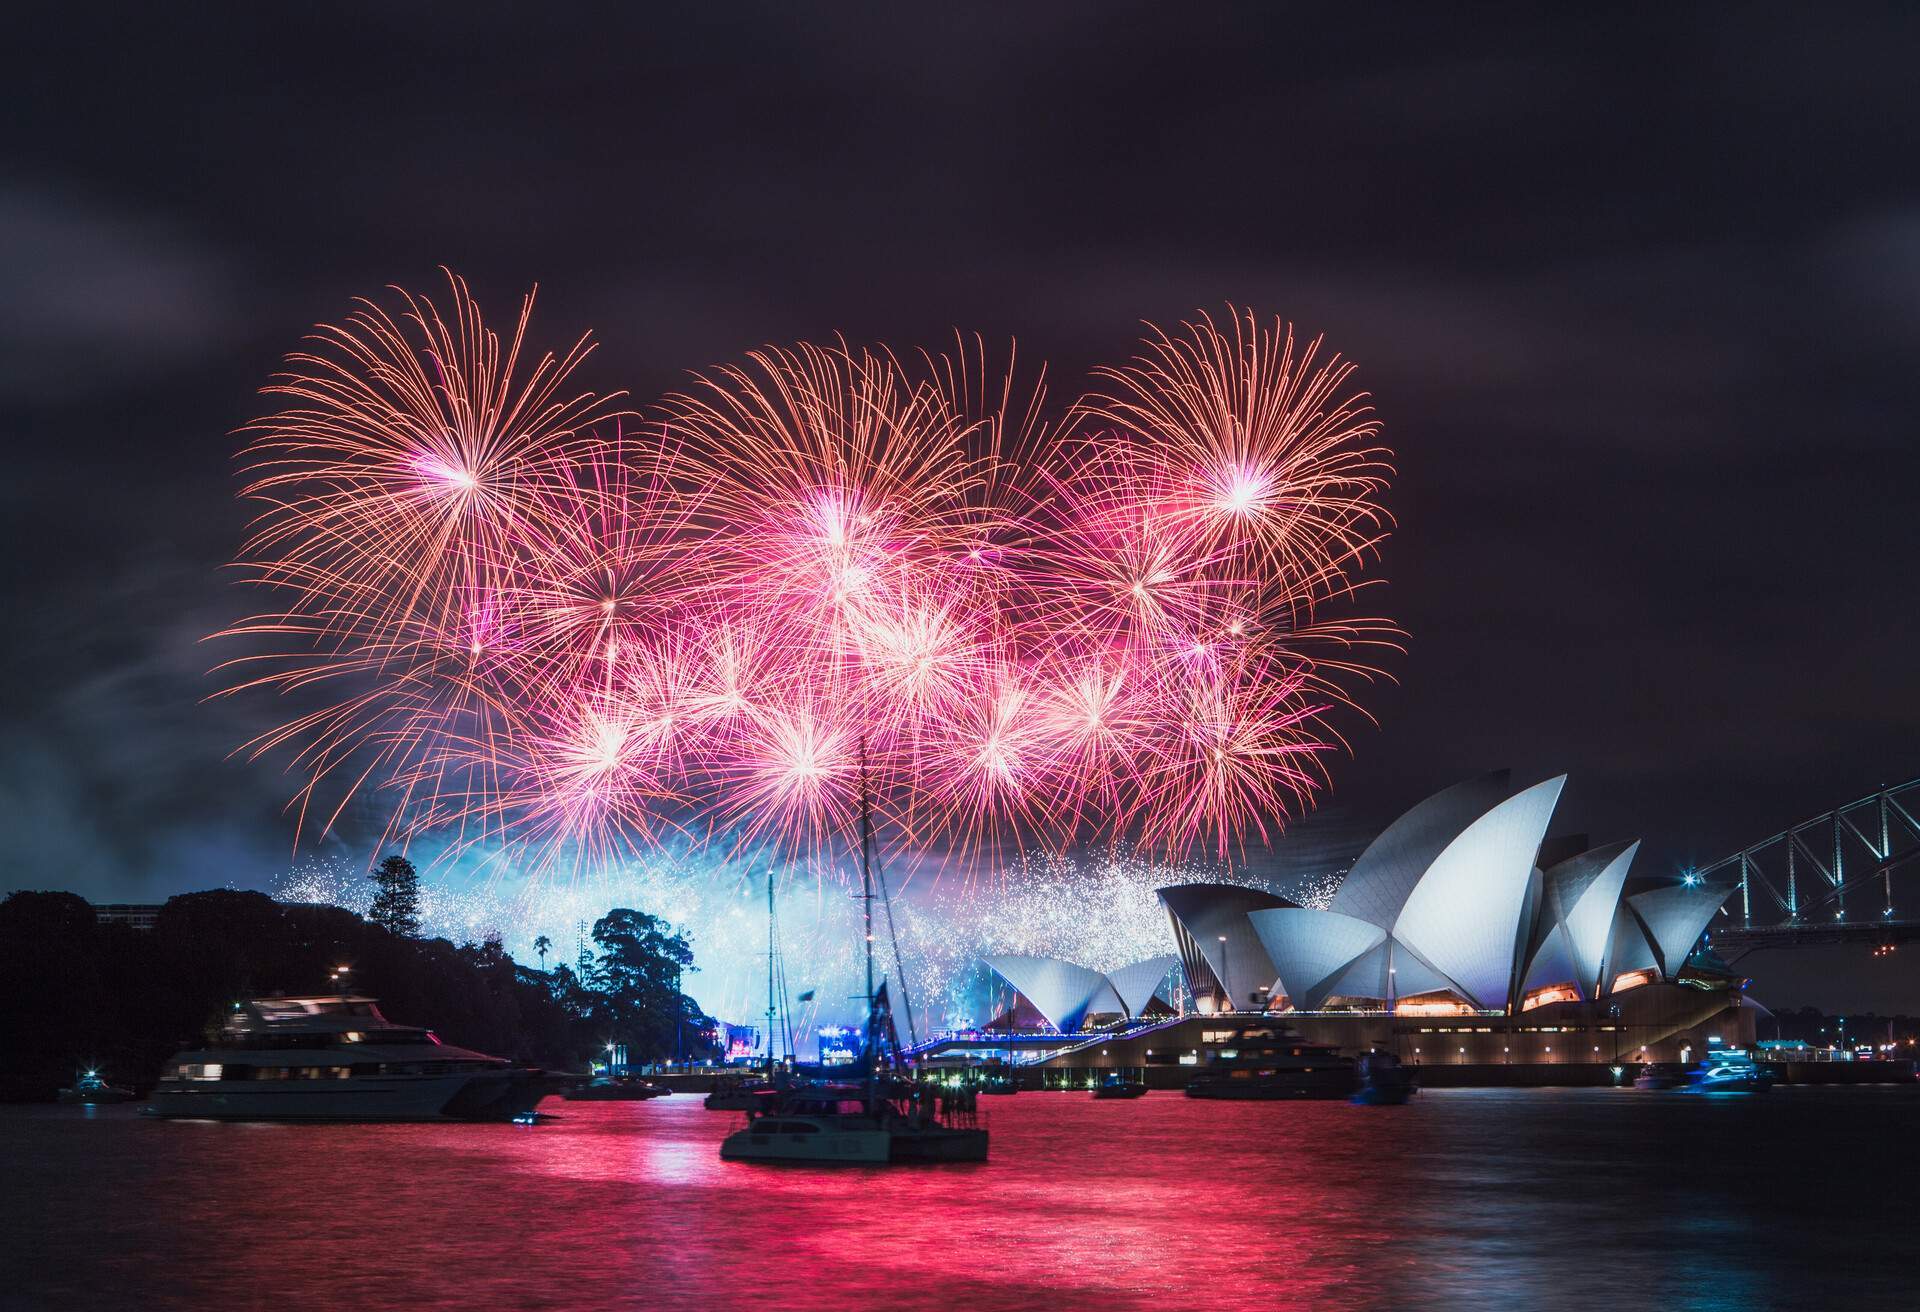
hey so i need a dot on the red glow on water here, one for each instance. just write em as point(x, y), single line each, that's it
point(1462, 1199)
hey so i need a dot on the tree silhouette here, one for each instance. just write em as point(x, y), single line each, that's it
point(396, 907)
point(636, 982)
point(543, 945)
point(144, 994)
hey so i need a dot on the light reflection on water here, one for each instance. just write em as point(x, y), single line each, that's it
point(1468, 1198)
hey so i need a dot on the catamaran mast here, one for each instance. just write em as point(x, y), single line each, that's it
point(770, 1008)
point(866, 905)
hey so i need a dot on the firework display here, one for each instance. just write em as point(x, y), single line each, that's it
point(532, 623)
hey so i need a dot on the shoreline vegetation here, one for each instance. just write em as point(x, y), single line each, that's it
point(82, 994)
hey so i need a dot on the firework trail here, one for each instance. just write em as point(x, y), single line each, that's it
point(554, 632)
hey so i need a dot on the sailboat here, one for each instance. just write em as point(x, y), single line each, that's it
point(882, 1119)
point(731, 1094)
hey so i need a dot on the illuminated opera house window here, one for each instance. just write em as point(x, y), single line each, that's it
point(1432, 1004)
point(1633, 979)
point(1551, 993)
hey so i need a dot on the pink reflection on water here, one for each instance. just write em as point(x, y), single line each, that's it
point(1463, 1199)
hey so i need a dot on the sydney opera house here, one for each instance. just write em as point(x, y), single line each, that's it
point(1462, 937)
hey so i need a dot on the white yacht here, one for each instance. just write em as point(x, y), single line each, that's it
point(336, 1058)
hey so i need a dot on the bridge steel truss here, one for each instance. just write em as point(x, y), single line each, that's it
point(1829, 879)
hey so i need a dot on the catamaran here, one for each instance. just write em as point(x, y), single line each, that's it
point(883, 1118)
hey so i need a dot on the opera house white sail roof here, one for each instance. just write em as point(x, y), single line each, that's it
point(1065, 994)
point(1059, 990)
point(1452, 906)
point(1219, 949)
point(1139, 983)
point(1449, 900)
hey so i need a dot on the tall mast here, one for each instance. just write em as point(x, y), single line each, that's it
point(770, 1009)
point(866, 903)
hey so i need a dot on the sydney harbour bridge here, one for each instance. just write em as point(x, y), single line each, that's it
point(1834, 878)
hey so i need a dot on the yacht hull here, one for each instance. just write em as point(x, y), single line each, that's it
point(941, 1145)
point(482, 1097)
point(826, 1144)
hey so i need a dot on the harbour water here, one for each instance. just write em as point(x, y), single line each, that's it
point(1502, 1199)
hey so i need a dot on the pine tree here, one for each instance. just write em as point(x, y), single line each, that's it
point(396, 907)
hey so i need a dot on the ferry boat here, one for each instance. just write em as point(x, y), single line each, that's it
point(336, 1058)
point(1269, 1062)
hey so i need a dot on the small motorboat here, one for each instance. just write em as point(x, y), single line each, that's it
point(1655, 1075)
point(1119, 1086)
point(1727, 1071)
point(731, 1094)
point(1384, 1081)
point(615, 1088)
point(93, 1091)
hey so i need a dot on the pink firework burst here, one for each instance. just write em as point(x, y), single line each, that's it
point(821, 579)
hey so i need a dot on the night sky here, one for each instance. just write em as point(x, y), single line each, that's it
point(1637, 294)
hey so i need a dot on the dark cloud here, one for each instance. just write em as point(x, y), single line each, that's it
point(1635, 290)
point(97, 301)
